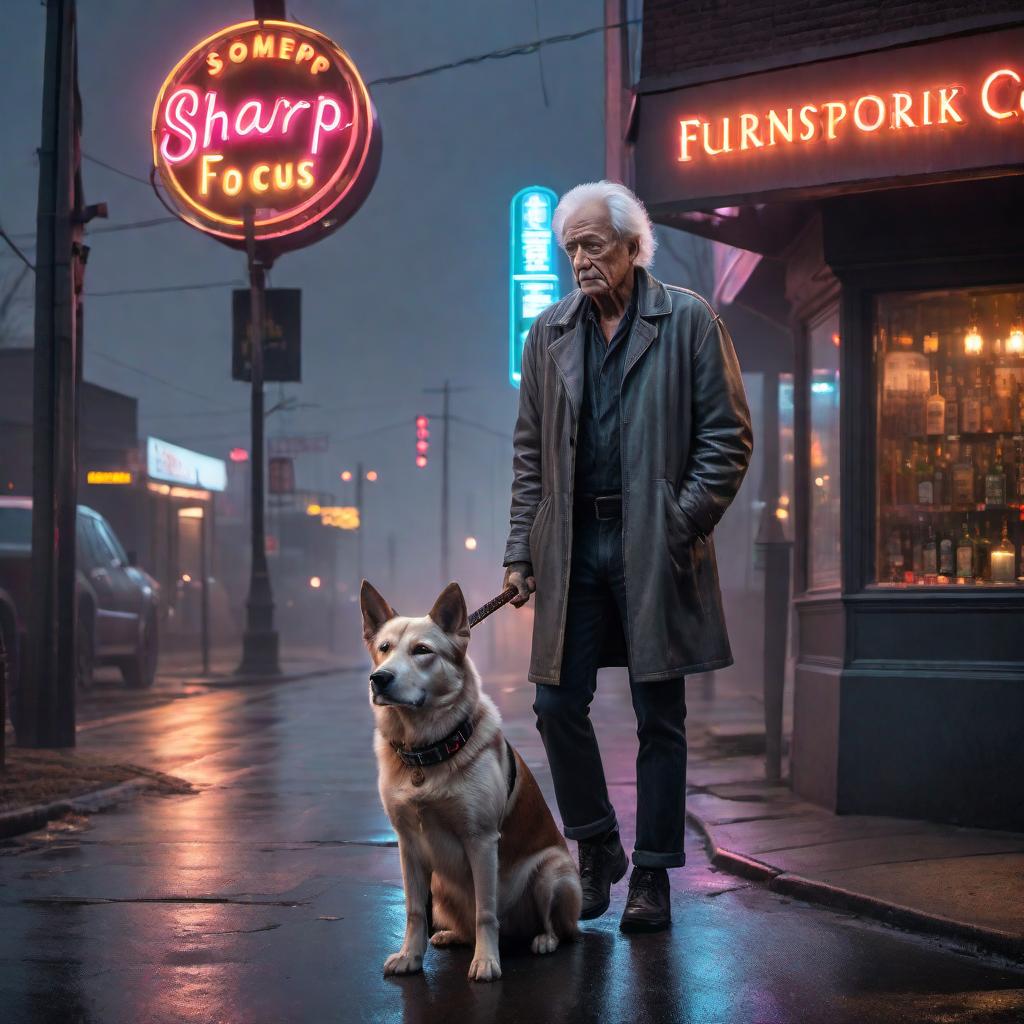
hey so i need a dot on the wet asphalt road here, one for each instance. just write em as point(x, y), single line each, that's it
point(273, 894)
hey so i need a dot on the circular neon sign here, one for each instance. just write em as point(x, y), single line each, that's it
point(272, 116)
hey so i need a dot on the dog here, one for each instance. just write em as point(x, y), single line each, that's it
point(475, 835)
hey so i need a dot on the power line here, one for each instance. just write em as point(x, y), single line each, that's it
point(508, 51)
point(132, 225)
point(115, 170)
point(151, 376)
point(24, 259)
point(167, 288)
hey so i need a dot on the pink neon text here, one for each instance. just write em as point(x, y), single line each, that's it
point(191, 124)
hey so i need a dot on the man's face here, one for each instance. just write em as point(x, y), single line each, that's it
point(601, 261)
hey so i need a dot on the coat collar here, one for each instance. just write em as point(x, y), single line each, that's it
point(654, 301)
point(567, 349)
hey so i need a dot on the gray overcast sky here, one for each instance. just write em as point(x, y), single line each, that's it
point(412, 290)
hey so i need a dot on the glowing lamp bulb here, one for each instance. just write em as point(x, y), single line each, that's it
point(314, 582)
point(1015, 341)
point(346, 475)
point(972, 341)
point(421, 461)
point(372, 475)
point(471, 543)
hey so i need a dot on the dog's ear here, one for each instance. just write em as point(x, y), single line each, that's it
point(450, 613)
point(376, 611)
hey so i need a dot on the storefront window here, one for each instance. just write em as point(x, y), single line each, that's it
point(823, 549)
point(950, 474)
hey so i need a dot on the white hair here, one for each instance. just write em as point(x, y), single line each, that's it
point(628, 215)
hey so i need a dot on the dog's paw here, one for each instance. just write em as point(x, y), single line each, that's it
point(448, 938)
point(403, 963)
point(485, 968)
point(544, 943)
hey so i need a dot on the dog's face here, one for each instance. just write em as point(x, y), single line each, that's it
point(417, 662)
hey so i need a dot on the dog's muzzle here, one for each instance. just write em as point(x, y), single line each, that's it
point(380, 681)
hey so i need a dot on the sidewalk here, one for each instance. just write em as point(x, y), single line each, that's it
point(41, 786)
point(179, 675)
point(963, 883)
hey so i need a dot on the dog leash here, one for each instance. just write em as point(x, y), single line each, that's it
point(492, 606)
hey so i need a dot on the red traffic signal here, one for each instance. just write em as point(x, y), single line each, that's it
point(422, 440)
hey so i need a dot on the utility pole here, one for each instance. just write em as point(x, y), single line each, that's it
point(445, 392)
point(260, 639)
point(362, 524)
point(48, 718)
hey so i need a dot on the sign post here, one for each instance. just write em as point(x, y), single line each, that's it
point(265, 138)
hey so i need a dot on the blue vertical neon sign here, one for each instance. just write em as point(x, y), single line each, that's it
point(533, 284)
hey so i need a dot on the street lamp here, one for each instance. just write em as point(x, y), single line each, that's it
point(471, 543)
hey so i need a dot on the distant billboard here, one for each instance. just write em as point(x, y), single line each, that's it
point(534, 283)
point(168, 462)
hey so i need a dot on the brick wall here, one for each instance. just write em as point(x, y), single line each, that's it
point(680, 35)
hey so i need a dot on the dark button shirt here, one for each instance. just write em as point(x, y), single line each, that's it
point(598, 465)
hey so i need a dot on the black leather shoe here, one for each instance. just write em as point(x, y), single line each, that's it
point(649, 903)
point(602, 862)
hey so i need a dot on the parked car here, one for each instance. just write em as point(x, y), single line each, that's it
point(116, 603)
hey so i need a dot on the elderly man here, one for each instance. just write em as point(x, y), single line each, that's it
point(632, 438)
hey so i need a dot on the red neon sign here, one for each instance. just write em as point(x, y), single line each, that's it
point(270, 115)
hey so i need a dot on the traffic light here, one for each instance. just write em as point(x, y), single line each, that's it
point(422, 440)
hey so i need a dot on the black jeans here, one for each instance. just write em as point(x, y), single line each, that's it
point(597, 589)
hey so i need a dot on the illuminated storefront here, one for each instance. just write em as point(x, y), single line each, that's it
point(886, 184)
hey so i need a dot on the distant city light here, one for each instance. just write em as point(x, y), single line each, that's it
point(312, 510)
point(314, 582)
point(421, 461)
point(108, 476)
point(371, 475)
point(238, 455)
point(185, 578)
point(471, 543)
point(346, 475)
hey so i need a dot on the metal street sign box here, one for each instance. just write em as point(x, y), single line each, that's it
point(534, 283)
point(282, 475)
point(282, 335)
point(308, 444)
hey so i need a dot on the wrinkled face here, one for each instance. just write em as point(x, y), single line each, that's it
point(417, 662)
point(601, 261)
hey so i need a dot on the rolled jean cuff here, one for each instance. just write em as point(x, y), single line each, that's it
point(595, 828)
point(646, 859)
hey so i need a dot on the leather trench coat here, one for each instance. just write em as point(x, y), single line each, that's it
point(685, 445)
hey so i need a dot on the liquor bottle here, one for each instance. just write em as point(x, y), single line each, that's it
point(970, 410)
point(950, 394)
point(1003, 393)
point(963, 478)
point(930, 554)
point(981, 473)
point(1002, 559)
point(894, 555)
point(917, 550)
point(995, 481)
point(985, 395)
point(1019, 474)
point(925, 480)
point(940, 477)
point(935, 412)
point(982, 555)
point(947, 562)
point(965, 554)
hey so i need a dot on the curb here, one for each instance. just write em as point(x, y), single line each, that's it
point(28, 819)
point(811, 890)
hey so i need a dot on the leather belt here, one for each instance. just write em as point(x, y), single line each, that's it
point(600, 506)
